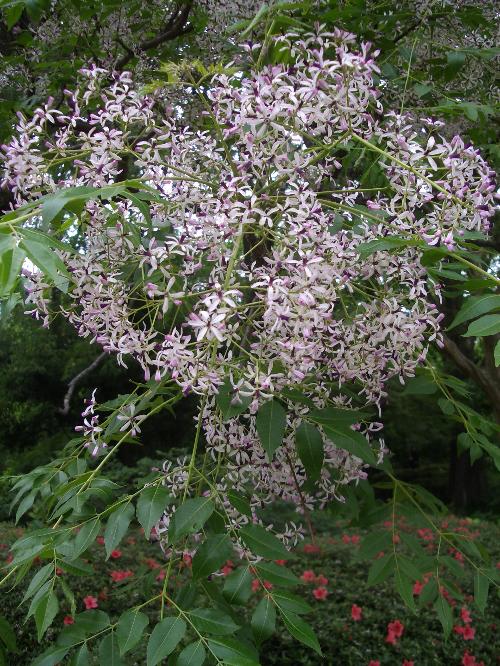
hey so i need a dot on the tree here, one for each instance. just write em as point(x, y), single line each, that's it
point(280, 260)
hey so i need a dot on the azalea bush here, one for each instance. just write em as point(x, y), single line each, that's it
point(240, 264)
point(355, 622)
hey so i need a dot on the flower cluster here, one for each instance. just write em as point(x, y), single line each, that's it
point(238, 269)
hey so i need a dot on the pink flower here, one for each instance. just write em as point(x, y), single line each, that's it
point(68, 619)
point(356, 612)
point(346, 538)
point(100, 540)
point(115, 554)
point(465, 615)
point(226, 570)
point(268, 585)
point(355, 539)
point(90, 602)
point(321, 580)
point(311, 548)
point(418, 587)
point(320, 593)
point(308, 576)
point(152, 564)
point(255, 584)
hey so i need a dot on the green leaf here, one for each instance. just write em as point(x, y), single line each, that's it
point(47, 261)
point(263, 543)
point(233, 652)
point(444, 613)
point(117, 527)
point(383, 244)
point(300, 630)
point(51, 657)
point(345, 438)
point(45, 611)
point(7, 635)
point(239, 502)
point(109, 653)
point(288, 602)
point(211, 555)
point(497, 354)
point(263, 620)
point(481, 588)
point(25, 505)
point(381, 569)
point(271, 424)
point(210, 621)
point(374, 543)
point(192, 655)
point(38, 580)
point(224, 400)
point(164, 639)
point(150, 507)
point(189, 517)
point(474, 307)
point(404, 588)
point(310, 449)
point(487, 325)
point(238, 586)
point(12, 15)
point(277, 574)
point(82, 657)
point(420, 385)
point(92, 621)
point(130, 628)
point(86, 537)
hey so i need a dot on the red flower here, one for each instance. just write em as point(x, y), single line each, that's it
point(468, 633)
point(356, 612)
point(115, 554)
point(280, 562)
point(470, 660)
point(59, 571)
point(391, 638)
point(100, 540)
point(418, 587)
point(407, 662)
point(68, 619)
point(396, 628)
point(121, 575)
point(465, 615)
point(320, 593)
point(355, 539)
point(187, 559)
point(161, 576)
point(321, 580)
point(311, 548)
point(308, 576)
point(374, 662)
point(346, 538)
point(255, 584)
point(226, 570)
point(90, 602)
point(152, 564)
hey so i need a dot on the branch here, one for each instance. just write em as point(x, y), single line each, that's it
point(76, 379)
point(175, 27)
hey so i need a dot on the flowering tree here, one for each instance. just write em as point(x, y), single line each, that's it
point(238, 261)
